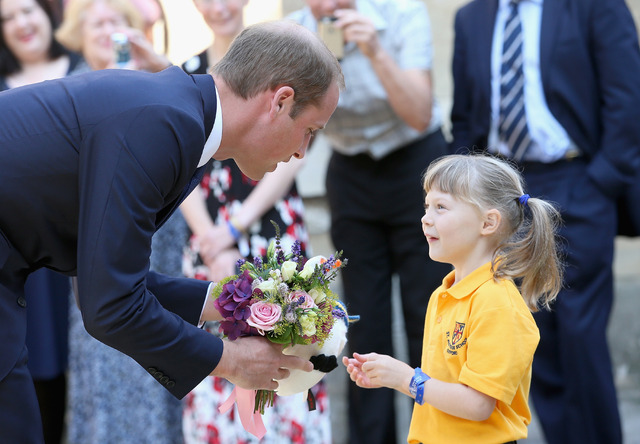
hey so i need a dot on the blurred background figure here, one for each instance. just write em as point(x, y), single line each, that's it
point(230, 218)
point(29, 53)
point(89, 24)
point(384, 133)
point(102, 391)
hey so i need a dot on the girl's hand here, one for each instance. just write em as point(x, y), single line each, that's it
point(354, 368)
point(373, 370)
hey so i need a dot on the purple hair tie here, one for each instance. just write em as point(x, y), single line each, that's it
point(524, 199)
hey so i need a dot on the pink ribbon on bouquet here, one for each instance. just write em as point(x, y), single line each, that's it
point(245, 399)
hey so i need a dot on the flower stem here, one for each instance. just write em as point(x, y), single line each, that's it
point(264, 398)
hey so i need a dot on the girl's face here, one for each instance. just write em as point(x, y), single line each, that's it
point(100, 21)
point(224, 17)
point(452, 227)
point(26, 30)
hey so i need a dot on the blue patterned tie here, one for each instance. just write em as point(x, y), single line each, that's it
point(512, 127)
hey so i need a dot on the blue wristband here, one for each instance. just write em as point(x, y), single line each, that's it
point(416, 386)
point(233, 230)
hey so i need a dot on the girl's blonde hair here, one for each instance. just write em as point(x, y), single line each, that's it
point(527, 252)
point(70, 31)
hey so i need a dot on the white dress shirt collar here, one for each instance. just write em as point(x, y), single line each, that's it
point(213, 142)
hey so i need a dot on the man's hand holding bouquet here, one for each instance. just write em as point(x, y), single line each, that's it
point(286, 299)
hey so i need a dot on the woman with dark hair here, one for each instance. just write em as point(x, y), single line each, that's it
point(29, 53)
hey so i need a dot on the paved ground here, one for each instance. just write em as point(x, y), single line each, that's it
point(624, 337)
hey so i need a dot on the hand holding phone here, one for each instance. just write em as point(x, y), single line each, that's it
point(331, 36)
point(121, 49)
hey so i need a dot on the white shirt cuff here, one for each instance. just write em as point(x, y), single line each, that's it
point(204, 304)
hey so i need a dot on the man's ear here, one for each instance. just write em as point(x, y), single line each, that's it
point(281, 100)
point(491, 222)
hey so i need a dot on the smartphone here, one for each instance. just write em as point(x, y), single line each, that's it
point(121, 49)
point(331, 36)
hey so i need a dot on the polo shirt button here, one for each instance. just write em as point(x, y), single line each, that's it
point(22, 302)
point(444, 295)
point(439, 319)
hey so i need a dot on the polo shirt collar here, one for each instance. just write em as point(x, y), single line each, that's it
point(469, 284)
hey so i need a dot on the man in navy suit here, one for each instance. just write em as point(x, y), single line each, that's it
point(581, 71)
point(92, 165)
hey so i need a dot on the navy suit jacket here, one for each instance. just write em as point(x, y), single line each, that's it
point(90, 167)
point(590, 70)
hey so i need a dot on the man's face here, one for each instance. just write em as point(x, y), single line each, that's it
point(280, 137)
point(326, 8)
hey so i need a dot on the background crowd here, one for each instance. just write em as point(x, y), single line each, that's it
point(388, 127)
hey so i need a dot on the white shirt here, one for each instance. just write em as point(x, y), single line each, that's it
point(213, 142)
point(210, 147)
point(550, 140)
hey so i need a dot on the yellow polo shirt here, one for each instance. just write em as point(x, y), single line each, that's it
point(480, 333)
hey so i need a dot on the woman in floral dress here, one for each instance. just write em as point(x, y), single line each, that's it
point(230, 218)
point(224, 192)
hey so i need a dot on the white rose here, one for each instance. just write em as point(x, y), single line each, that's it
point(268, 286)
point(288, 270)
point(310, 266)
point(317, 295)
point(308, 323)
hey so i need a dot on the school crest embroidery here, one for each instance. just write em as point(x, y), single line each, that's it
point(457, 333)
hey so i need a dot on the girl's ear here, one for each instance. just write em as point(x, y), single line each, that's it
point(491, 222)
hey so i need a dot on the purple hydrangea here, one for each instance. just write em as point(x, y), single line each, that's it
point(233, 303)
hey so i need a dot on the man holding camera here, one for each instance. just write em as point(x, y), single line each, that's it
point(384, 133)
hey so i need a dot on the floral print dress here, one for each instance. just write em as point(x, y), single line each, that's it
point(289, 420)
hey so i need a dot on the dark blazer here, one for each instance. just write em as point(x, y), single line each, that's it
point(590, 65)
point(90, 167)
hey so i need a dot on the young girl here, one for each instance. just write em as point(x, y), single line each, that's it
point(479, 335)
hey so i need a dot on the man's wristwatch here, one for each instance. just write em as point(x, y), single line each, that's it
point(416, 386)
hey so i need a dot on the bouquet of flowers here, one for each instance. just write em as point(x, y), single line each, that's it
point(287, 299)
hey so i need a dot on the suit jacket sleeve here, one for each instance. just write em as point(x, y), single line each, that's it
point(130, 167)
point(616, 60)
point(461, 108)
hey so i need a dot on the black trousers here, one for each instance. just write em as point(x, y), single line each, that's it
point(376, 207)
point(572, 387)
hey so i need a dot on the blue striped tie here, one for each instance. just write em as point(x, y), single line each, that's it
point(512, 127)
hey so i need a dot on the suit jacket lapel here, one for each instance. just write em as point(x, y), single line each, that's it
point(550, 19)
point(485, 26)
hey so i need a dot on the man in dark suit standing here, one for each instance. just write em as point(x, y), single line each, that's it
point(92, 165)
point(555, 86)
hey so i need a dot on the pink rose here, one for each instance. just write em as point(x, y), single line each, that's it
point(264, 316)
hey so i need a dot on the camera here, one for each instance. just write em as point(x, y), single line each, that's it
point(331, 36)
point(121, 49)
